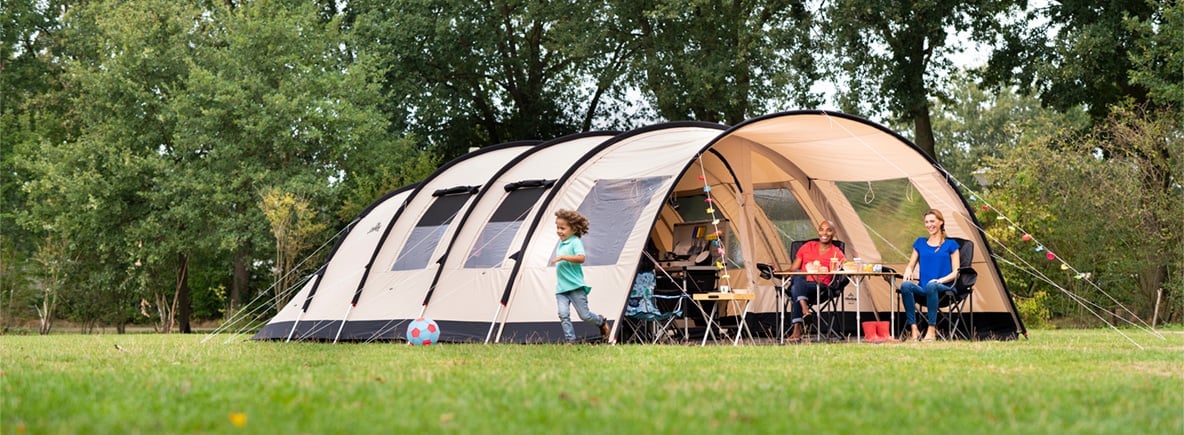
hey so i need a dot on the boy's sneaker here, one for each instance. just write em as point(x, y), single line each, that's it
point(604, 329)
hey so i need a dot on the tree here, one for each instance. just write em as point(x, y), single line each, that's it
point(972, 125)
point(894, 54)
point(464, 74)
point(1119, 61)
point(719, 61)
point(1096, 210)
point(183, 114)
point(50, 259)
point(28, 115)
point(85, 188)
point(1158, 56)
point(1087, 61)
point(293, 223)
point(277, 101)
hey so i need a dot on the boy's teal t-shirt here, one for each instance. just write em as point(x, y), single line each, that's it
point(571, 275)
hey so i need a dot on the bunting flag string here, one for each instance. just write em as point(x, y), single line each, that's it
point(725, 283)
point(1050, 255)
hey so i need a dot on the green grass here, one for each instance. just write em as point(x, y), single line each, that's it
point(1080, 381)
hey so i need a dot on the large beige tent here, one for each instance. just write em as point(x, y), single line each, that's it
point(469, 246)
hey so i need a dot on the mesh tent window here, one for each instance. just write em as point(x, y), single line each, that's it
point(422, 241)
point(891, 211)
point(786, 214)
point(612, 208)
point(494, 240)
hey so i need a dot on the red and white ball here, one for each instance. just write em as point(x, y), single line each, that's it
point(423, 332)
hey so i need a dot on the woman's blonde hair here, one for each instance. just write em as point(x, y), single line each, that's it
point(577, 221)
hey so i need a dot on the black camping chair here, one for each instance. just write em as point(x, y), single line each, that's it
point(952, 322)
point(960, 300)
point(830, 311)
point(766, 272)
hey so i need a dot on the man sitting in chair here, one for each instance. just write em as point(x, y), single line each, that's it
point(813, 256)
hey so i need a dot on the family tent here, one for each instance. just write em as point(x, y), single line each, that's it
point(469, 246)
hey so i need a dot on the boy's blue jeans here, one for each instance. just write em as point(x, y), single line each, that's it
point(909, 291)
point(579, 299)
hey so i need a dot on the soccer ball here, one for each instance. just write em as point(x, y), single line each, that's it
point(423, 332)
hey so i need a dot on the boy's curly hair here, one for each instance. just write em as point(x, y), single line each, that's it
point(577, 221)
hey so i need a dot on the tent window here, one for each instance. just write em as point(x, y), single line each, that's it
point(891, 210)
point(612, 208)
point(494, 240)
point(787, 214)
point(426, 235)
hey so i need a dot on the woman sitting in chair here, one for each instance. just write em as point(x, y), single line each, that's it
point(821, 254)
point(934, 264)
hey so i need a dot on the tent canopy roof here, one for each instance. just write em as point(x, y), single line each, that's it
point(480, 266)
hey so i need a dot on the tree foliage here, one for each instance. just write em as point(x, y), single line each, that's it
point(1158, 56)
point(184, 114)
point(464, 74)
point(720, 61)
point(87, 190)
point(293, 225)
point(973, 126)
point(29, 112)
point(1077, 53)
point(1122, 235)
point(896, 54)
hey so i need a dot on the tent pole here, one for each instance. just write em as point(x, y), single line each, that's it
point(501, 328)
point(343, 319)
point(493, 323)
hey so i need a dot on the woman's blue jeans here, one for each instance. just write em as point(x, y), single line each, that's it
point(909, 291)
point(579, 299)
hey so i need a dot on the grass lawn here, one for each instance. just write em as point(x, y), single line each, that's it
point(1059, 381)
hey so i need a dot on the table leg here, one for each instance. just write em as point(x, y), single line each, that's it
point(817, 314)
point(858, 322)
point(733, 303)
point(710, 321)
point(740, 328)
point(686, 320)
point(780, 314)
point(892, 318)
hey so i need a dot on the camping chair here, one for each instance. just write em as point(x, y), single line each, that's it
point(645, 321)
point(766, 272)
point(957, 301)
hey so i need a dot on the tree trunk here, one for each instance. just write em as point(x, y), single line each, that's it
point(923, 131)
point(46, 311)
point(182, 300)
point(48, 308)
point(1151, 279)
point(181, 291)
point(241, 279)
point(166, 313)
